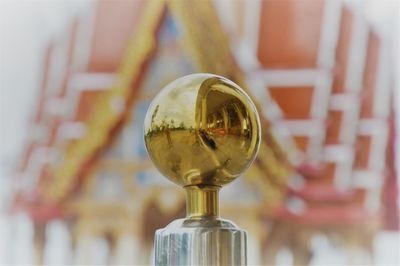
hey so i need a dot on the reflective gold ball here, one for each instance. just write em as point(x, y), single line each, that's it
point(202, 129)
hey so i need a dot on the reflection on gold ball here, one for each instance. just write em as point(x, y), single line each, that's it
point(202, 129)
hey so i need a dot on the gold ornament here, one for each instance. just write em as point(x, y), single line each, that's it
point(202, 131)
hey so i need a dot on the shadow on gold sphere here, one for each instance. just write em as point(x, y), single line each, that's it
point(202, 129)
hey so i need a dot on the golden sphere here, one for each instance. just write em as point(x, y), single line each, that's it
point(202, 129)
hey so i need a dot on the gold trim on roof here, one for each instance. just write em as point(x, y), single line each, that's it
point(104, 117)
point(210, 47)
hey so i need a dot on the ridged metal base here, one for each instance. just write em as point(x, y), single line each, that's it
point(200, 242)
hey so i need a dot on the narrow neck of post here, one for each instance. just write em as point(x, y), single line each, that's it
point(202, 201)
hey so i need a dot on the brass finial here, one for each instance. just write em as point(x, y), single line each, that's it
point(202, 131)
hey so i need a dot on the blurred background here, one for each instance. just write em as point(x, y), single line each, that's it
point(76, 78)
